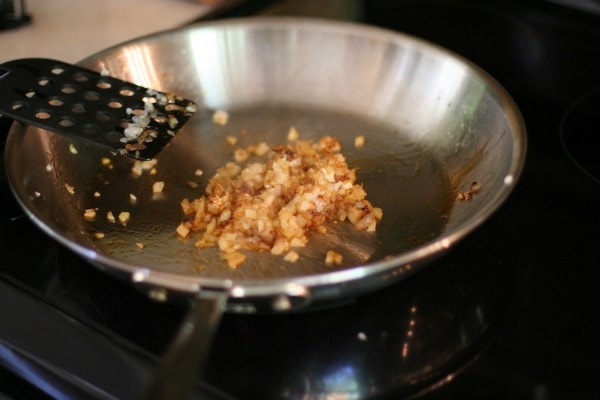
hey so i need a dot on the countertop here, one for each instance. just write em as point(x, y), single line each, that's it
point(72, 30)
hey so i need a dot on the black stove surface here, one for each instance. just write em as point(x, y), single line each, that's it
point(509, 313)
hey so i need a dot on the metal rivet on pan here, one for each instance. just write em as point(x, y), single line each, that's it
point(140, 275)
point(295, 290)
point(238, 291)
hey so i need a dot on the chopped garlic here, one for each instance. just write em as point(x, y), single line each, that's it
point(261, 149)
point(234, 259)
point(133, 132)
point(333, 257)
point(137, 169)
point(292, 135)
point(89, 214)
point(232, 140)
point(240, 155)
point(220, 117)
point(140, 166)
point(359, 141)
point(292, 256)
point(270, 206)
point(148, 164)
point(158, 187)
point(182, 230)
point(124, 216)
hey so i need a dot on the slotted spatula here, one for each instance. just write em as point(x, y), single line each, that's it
point(74, 101)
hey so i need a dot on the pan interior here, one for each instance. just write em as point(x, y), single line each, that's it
point(432, 123)
point(400, 177)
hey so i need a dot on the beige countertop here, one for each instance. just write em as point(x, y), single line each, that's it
point(70, 30)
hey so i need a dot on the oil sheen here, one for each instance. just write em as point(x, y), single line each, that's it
point(399, 176)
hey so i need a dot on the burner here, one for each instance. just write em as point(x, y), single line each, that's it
point(580, 133)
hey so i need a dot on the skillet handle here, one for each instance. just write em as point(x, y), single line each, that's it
point(186, 357)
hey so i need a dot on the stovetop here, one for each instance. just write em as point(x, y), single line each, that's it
point(509, 313)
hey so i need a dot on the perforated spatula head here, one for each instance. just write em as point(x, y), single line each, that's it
point(74, 101)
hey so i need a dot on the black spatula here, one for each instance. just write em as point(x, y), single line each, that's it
point(74, 101)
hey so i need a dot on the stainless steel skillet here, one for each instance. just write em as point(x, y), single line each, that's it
point(433, 124)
